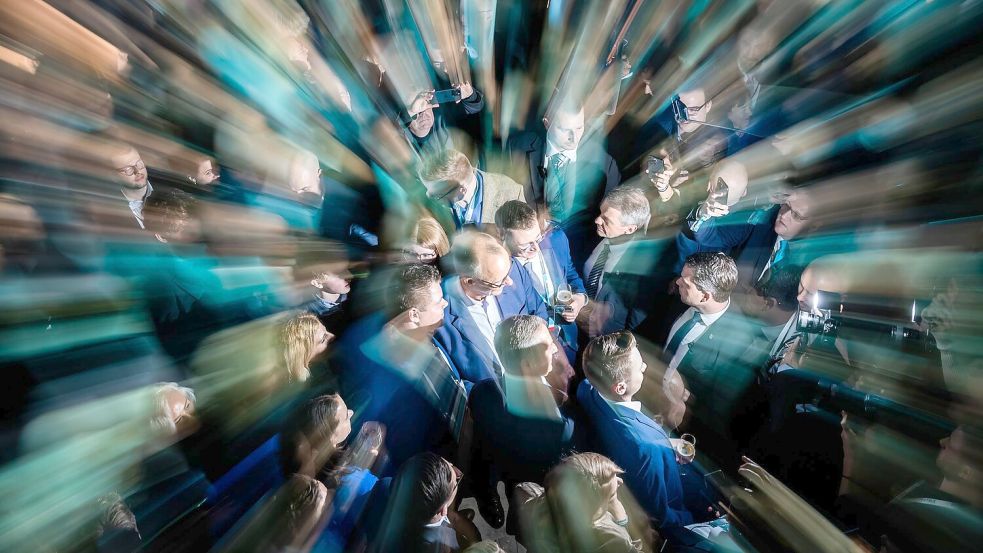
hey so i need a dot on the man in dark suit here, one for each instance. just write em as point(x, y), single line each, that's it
point(566, 174)
point(617, 269)
point(392, 372)
point(639, 445)
point(521, 430)
point(488, 288)
point(546, 255)
point(704, 345)
point(761, 241)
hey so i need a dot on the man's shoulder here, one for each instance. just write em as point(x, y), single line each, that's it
point(497, 183)
point(525, 140)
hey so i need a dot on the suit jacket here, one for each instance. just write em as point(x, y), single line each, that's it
point(747, 237)
point(640, 446)
point(523, 448)
point(460, 337)
point(596, 175)
point(556, 252)
point(379, 390)
point(625, 291)
point(498, 190)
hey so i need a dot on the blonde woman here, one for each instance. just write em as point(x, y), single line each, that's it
point(430, 241)
point(303, 338)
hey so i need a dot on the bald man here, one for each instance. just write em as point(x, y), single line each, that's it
point(488, 288)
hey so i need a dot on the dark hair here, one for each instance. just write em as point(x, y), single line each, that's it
point(413, 286)
point(515, 214)
point(424, 483)
point(714, 273)
point(166, 211)
point(782, 285)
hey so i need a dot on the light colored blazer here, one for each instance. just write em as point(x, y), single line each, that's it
point(498, 190)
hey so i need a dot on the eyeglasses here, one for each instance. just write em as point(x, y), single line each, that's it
point(529, 246)
point(424, 257)
point(684, 112)
point(490, 285)
point(438, 196)
point(131, 170)
point(786, 208)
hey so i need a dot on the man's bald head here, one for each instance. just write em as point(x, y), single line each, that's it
point(735, 175)
point(482, 263)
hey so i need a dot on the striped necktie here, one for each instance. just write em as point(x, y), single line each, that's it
point(594, 278)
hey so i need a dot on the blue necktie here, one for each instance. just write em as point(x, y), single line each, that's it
point(775, 260)
point(677, 338)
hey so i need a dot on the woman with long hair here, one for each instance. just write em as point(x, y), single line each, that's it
point(302, 338)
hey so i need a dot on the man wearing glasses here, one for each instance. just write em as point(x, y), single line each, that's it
point(545, 253)
point(488, 288)
point(473, 196)
point(131, 173)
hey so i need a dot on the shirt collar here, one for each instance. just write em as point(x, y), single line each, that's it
point(551, 150)
point(474, 192)
point(439, 523)
point(633, 405)
point(150, 190)
point(712, 318)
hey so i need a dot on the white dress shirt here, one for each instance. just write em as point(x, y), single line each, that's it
point(694, 334)
point(136, 206)
point(614, 256)
point(486, 317)
point(541, 278)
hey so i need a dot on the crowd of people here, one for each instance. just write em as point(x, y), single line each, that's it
point(307, 276)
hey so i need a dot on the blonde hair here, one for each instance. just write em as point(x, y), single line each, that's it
point(447, 165)
point(298, 341)
point(429, 234)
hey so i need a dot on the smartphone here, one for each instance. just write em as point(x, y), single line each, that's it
point(447, 96)
point(720, 191)
point(655, 165)
point(679, 109)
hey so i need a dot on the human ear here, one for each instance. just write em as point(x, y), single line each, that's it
point(414, 314)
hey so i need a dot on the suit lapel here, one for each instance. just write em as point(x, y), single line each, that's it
point(462, 321)
point(535, 156)
point(553, 262)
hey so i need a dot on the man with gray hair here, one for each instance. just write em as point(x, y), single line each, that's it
point(614, 271)
point(520, 427)
point(488, 288)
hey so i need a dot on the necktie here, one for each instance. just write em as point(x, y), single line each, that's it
point(677, 338)
point(594, 278)
point(776, 258)
point(555, 181)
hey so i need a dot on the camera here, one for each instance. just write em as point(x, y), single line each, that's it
point(892, 319)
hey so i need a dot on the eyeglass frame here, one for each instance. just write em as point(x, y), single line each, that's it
point(489, 285)
point(130, 170)
point(539, 240)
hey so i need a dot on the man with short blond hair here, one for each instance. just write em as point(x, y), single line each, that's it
point(472, 195)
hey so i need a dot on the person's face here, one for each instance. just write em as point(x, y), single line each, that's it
point(697, 108)
point(333, 283)
point(321, 340)
point(566, 130)
point(677, 395)
point(131, 170)
point(492, 283)
point(305, 178)
point(636, 374)
point(207, 173)
point(938, 316)
point(456, 477)
point(423, 123)
point(524, 243)
point(688, 292)
point(807, 289)
point(182, 409)
point(541, 354)
point(950, 459)
point(343, 428)
point(793, 217)
point(609, 225)
point(432, 314)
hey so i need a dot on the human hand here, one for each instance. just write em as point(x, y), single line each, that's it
point(711, 208)
point(570, 314)
point(421, 103)
point(466, 91)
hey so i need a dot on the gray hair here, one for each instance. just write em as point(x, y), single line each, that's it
point(714, 273)
point(470, 248)
point(632, 204)
point(514, 337)
point(162, 418)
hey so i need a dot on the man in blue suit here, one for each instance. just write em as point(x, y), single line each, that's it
point(546, 256)
point(488, 288)
point(760, 241)
point(392, 372)
point(615, 371)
